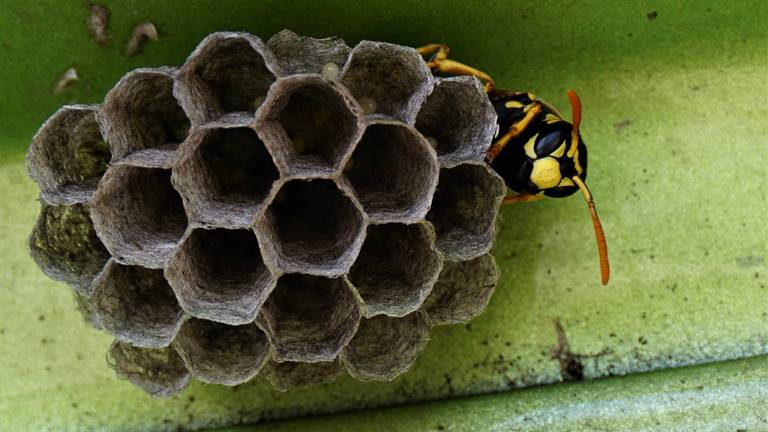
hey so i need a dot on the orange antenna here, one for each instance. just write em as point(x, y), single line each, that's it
point(575, 112)
point(602, 246)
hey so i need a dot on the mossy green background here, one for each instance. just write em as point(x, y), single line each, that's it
point(675, 106)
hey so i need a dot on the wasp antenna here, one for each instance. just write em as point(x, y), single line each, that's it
point(575, 111)
point(602, 246)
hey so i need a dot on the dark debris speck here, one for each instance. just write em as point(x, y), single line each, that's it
point(652, 15)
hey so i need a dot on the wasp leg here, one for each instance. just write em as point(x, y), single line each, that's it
point(441, 63)
point(523, 197)
point(441, 50)
point(514, 130)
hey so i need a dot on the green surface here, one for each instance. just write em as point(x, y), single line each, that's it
point(716, 397)
point(674, 117)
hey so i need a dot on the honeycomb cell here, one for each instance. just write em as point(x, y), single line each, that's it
point(293, 375)
point(138, 215)
point(396, 269)
point(309, 318)
point(393, 77)
point(309, 123)
point(219, 275)
point(68, 155)
point(222, 354)
point(158, 371)
point(224, 174)
point(385, 347)
point(311, 227)
point(301, 54)
point(141, 119)
point(136, 305)
point(394, 173)
point(464, 210)
point(228, 72)
point(463, 290)
point(460, 118)
point(65, 246)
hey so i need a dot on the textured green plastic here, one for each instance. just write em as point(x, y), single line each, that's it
point(712, 397)
point(675, 107)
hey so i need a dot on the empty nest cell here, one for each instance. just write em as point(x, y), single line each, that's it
point(136, 305)
point(292, 375)
point(140, 113)
point(220, 353)
point(65, 246)
point(392, 79)
point(312, 227)
point(394, 173)
point(301, 54)
point(464, 210)
point(460, 118)
point(396, 268)
point(463, 290)
point(68, 155)
point(309, 318)
point(227, 72)
point(158, 371)
point(385, 347)
point(219, 275)
point(311, 123)
point(224, 175)
point(138, 215)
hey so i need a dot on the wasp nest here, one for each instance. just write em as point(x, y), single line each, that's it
point(296, 208)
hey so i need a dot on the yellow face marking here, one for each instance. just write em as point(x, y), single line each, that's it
point(579, 169)
point(559, 152)
point(551, 118)
point(531, 96)
point(513, 104)
point(546, 173)
point(566, 182)
point(528, 147)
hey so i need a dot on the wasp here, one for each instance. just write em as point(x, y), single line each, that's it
point(535, 150)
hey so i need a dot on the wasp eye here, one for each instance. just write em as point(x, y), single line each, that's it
point(549, 141)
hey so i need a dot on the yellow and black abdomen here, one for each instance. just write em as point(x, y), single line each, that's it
point(541, 158)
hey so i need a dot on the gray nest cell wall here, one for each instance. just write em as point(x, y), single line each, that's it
point(272, 208)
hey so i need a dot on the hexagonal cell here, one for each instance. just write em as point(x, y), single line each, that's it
point(293, 375)
point(222, 354)
point(140, 113)
point(309, 123)
point(396, 269)
point(394, 78)
point(461, 119)
point(224, 174)
point(301, 54)
point(158, 371)
point(385, 347)
point(68, 155)
point(219, 275)
point(394, 173)
point(311, 227)
point(464, 210)
point(138, 215)
point(309, 318)
point(136, 305)
point(65, 246)
point(463, 290)
point(228, 72)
